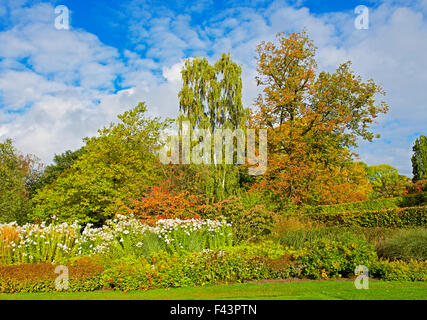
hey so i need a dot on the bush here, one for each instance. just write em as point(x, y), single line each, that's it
point(398, 217)
point(405, 245)
point(248, 223)
point(232, 264)
point(84, 275)
point(412, 270)
point(410, 200)
point(160, 203)
point(324, 258)
point(284, 224)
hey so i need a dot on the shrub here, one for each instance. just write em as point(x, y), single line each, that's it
point(324, 258)
point(413, 200)
point(248, 223)
point(405, 245)
point(231, 264)
point(398, 217)
point(299, 238)
point(160, 203)
point(410, 200)
point(284, 224)
point(84, 275)
point(412, 270)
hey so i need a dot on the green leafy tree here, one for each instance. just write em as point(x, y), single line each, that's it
point(386, 181)
point(61, 162)
point(419, 159)
point(15, 172)
point(116, 166)
point(211, 98)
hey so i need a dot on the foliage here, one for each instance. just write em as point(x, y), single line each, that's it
point(416, 187)
point(312, 121)
point(284, 224)
point(398, 270)
point(61, 162)
point(406, 245)
point(395, 217)
point(38, 243)
point(411, 200)
point(212, 94)
point(117, 165)
point(120, 237)
point(160, 203)
point(230, 264)
point(324, 258)
point(248, 223)
point(211, 98)
point(16, 170)
point(84, 275)
point(386, 181)
point(419, 159)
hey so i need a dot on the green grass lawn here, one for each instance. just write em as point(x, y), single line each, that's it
point(300, 290)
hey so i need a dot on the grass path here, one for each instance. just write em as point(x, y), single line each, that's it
point(300, 290)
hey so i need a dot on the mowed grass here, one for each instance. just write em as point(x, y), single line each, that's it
point(299, 290)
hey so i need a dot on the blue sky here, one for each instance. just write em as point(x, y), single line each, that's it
point(58, 86)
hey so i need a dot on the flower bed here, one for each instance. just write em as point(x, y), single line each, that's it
point(124, 235)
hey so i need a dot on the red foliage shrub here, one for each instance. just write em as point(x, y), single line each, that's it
point(160, 203)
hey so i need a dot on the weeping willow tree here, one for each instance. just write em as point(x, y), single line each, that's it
point(211, 98)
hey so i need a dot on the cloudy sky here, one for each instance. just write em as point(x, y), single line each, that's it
point(60, 85)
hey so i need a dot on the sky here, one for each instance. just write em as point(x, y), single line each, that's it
point(58, 85)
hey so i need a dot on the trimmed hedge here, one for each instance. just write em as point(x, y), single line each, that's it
point(396, 217)
point(413, 200)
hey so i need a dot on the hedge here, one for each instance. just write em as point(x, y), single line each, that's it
point(413, 200)
point(395, 217)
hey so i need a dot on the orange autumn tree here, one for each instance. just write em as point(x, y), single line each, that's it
point(313, 120)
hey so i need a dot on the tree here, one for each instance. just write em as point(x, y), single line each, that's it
point(15, 172)
point(115, 167)
point(211, 98)
point(386, 181)
point(61, 162)
point(419, 159)
point(313, 120)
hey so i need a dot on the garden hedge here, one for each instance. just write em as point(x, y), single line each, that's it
point(413, 200)
point(395, 217)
